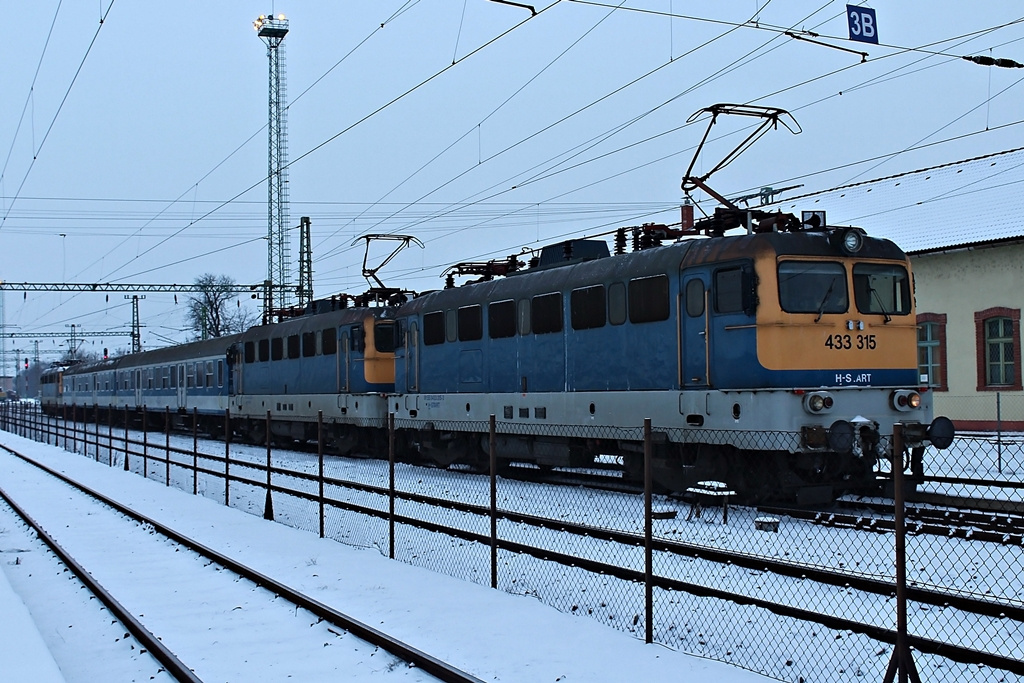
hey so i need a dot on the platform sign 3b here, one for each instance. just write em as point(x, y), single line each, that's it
point(863, 26)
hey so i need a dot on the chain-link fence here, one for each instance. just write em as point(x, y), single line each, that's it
point(809, 594)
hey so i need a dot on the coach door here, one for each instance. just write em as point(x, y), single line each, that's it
point(182, 394)
point(412, 366)
point(138, 387)
point(694, 329)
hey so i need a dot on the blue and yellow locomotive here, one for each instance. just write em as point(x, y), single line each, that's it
point(776, 361)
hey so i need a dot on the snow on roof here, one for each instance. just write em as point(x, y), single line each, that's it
point(958, 204)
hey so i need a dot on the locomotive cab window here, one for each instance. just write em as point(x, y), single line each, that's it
point(250, 352)
point(501, 319)
point(729, 290)
point(264, 350)
point(813, 287)
point(293, 346)
point(385, 337)
point(276, 348)
point(648, 299)
point(881, 288)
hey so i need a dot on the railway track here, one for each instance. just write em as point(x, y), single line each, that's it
point(1005, 529)
point(87, 552)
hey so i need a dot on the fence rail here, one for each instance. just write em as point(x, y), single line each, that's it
point(807, 601)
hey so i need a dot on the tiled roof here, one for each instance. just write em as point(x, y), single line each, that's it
point(963, 203)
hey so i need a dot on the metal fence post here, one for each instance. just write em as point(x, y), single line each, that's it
point(999, 431)
point(493, 466)
point(126, 468)
point(64, 423)
point(391, 485)
point(145, 444)
point(74, 428)
point(227, 456)
point(195, 450)
point(96, 420)
point(902, 660)
point(268, 504)
point(110, 435)
point(648, 533)
point(167, 445)
point(320, 460)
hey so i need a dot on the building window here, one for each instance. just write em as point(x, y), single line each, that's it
point(931, 350)
point(997, 335)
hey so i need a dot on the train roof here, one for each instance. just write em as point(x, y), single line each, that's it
point(647, 262)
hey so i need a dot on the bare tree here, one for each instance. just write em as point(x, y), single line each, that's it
point(210, 313)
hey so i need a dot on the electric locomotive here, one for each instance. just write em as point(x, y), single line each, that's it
point(776, 361)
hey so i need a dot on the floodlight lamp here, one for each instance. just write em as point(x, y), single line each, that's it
point(280, 17)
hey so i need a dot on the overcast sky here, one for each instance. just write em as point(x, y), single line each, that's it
point(149, 166)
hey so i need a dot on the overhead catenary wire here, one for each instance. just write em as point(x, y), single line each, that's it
point(36, 151)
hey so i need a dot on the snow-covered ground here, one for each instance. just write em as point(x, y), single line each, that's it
point(787, 648)
point(494, 635)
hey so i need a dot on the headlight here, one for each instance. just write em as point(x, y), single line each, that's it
point(905, 399)
point(818, 402)
point(848, 241)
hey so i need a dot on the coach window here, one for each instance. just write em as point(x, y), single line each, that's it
point(881, 288)
point(209, 373)
point(329, 342)
point(199, 375)
point(586, 308)
point(165, 380)
point(174, 377)
point(250, 352)
point(471, 324)
point(501, 319)
point(812, 287)
point(276, 348)
point(264, 350)
point(648, 299)
point(523, 314)
point(547, 313)
point(451, 326)
point(220, 373)
point(293, 346)
point(433, 328)
point(308, 344)
point(729, 290)
point(616, 303)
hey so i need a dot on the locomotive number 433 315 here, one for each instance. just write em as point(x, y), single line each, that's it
point(842, 342)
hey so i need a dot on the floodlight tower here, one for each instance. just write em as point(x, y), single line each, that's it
point(273, 30)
